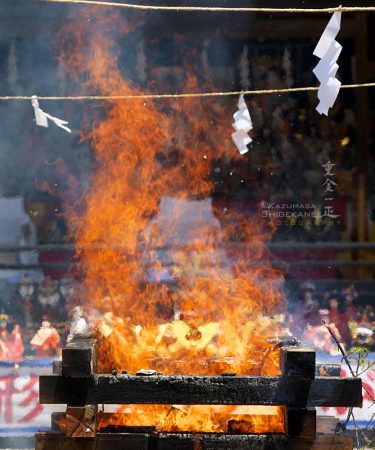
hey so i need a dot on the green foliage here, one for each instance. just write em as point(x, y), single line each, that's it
point(358, 357)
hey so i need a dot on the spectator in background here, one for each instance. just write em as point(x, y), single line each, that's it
point(350, 294)
point(27, 313)
point(50, 302)
point(12, 220)
point(307, 311)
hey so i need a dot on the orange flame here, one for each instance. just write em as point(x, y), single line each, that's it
point(149, 217)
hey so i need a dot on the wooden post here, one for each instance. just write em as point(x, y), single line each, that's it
point(301, 422)
point(79, 358)
point(299, 363)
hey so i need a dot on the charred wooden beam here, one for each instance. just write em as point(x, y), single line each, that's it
point(183, 441)
point(79, 358)
point(195, 390)
point(217, 441)
point(301, 422)
point(297, 362)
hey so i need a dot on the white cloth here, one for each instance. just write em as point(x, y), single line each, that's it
point(41, 117)
point(242, 124)
point(328, 50)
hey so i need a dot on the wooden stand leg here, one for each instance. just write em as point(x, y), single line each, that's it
point(81, 421)
point(301, 423)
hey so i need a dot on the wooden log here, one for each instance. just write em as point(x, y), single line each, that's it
point(185, 441)
point(191, 390)
point(326, 424)
point(323, 442)
point(297, 362)
point(328, 370)
point(207, 441)
point(301, 422)
point(81, 421)
point(79, 358)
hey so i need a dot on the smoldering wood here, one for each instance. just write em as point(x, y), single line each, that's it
point(301, 422)
point(128, 429)
point(188, 441)
point(216, 441)
point(195, 390)
point(79, 358)
point(82, 348)
point(297, 362)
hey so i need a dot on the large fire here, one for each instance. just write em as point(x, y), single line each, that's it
point(182, 285)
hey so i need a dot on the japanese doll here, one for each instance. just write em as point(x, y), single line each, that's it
point(46, 341)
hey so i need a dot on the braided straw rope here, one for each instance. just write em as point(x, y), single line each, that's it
point(181, 95)
point(218, 9)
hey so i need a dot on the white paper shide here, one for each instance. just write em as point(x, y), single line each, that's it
point(328, 50)
point(242, 124)
point(41, 118)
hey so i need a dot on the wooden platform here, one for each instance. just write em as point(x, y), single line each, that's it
point(186, 441)
point(298, 388)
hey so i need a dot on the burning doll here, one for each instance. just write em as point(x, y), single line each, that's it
point(79, 324)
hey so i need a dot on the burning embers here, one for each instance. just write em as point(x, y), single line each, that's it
point(180, 347)
point(198, 418)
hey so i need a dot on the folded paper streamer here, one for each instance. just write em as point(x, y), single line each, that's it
point(242, 124)
point(41, 118)
point(328, 50)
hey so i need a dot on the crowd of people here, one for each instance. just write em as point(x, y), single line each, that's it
point(42, 318)
point(341, 312)
point(39, 320)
